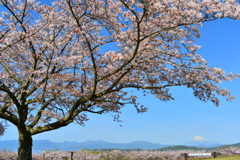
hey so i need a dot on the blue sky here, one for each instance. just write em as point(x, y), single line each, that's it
point(177, 121)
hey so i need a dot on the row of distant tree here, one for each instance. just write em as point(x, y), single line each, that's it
point(133, 154)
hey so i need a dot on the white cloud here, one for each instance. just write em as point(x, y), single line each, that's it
point(199, 138)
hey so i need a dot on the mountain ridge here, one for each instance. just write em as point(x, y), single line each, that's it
point(47, 145)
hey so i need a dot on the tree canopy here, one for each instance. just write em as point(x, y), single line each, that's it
point(60, 62)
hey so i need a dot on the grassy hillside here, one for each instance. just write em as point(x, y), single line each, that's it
point(181, 147)
point(223, 158)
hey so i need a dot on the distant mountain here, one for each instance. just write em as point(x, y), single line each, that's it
point(199, 141)
point(9, 145)
point(45, 145)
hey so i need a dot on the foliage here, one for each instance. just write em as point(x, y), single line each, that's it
point(181, 147)
point(236, 145)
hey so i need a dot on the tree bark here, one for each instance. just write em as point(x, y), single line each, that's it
point(24, 146)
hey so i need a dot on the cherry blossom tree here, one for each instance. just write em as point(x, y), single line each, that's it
point(60, 62)
point(3, 126)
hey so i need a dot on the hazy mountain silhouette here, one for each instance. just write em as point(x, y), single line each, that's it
point(45, 145)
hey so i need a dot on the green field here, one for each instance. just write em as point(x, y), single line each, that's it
point(222, 158)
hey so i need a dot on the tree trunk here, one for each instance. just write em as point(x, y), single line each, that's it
point(24, 146)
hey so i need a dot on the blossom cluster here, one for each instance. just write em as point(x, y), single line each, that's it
point(3, 126)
